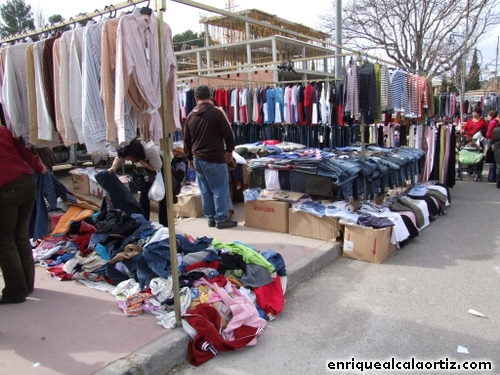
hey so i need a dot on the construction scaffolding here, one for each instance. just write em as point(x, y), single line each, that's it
point(273, 49)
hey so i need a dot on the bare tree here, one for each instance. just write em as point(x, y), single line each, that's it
point(428, 37)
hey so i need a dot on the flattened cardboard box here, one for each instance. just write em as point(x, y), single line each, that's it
point(367, 244)
point(81, 184)
point(267, 214)
point(304, 224)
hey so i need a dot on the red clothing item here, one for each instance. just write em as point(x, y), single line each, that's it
point(209, 340)
point(472, 127)
point(221, 98)
point(15, 159)
point(270, 297)
point(491, 126)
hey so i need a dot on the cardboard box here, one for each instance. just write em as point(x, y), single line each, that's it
point(301, 223)
point(80, 180)
point(267, 214)
point(367, 244)
point(188, 206)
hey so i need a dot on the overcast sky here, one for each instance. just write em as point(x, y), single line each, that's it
point(182, 17)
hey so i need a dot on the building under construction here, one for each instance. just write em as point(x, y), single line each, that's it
point(270, 50)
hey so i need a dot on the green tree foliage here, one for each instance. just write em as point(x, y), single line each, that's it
point(474, 76)
point(16, 17)
point(55, 18)
point(187, 40)
point(447, 86)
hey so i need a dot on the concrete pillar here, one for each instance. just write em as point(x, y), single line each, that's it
point(304, 62)
point(198, 61)
point(274, 49)
point(249, 47)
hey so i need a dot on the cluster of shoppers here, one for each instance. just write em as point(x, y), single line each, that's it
point(477, 128)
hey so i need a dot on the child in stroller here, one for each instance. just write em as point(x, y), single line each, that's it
point(470, 156)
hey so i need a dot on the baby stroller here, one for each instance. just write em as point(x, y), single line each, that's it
point(470, 157)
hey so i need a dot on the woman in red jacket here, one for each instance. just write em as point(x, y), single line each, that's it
point(493, 123)
point(475, 124)
point(17, 197)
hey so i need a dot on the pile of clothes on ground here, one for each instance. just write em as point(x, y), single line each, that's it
point(228, 291)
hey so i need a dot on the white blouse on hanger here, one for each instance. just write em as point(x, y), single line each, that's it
point(93, 120)
point(14, 95)
point(69, 130)
point(75, 79)
point(46, 130)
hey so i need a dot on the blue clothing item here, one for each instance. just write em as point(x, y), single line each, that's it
point(313, 207)
point(374, 221)
point(102, 251)
point(39, 222)
point(121, 197)
point(251, 194)
point(185, 246)
point(276, 260)
point(144, 273)
point(284, 179)
point(48, 189)
point(96, 238)
point(145, 228)
point(280, 100)
point(62, 259)
point(298, 181)
point(214, 187)
point(154, 261)
point(271, 106)
point(418, 191)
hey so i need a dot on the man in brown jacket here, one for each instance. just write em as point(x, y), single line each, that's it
point(208, 144)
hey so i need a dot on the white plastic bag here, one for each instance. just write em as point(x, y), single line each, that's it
point(157, 191)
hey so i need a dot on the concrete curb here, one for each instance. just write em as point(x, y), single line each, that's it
point(157, 357)
point(170, 350)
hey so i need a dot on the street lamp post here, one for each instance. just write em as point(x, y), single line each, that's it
point(464, 64)
point(496, 66)
point(463, 87)
point(463, 71)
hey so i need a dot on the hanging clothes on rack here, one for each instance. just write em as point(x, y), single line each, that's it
point(136, 76)
point(108, 71)
point(70, 133)
point(15, 99)
point(351, 87)
point(399, 91)
point(93, 119)
point(75, 77)
point(45, 124)
point(368, 96)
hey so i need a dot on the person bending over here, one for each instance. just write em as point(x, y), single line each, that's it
point(148, 156)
